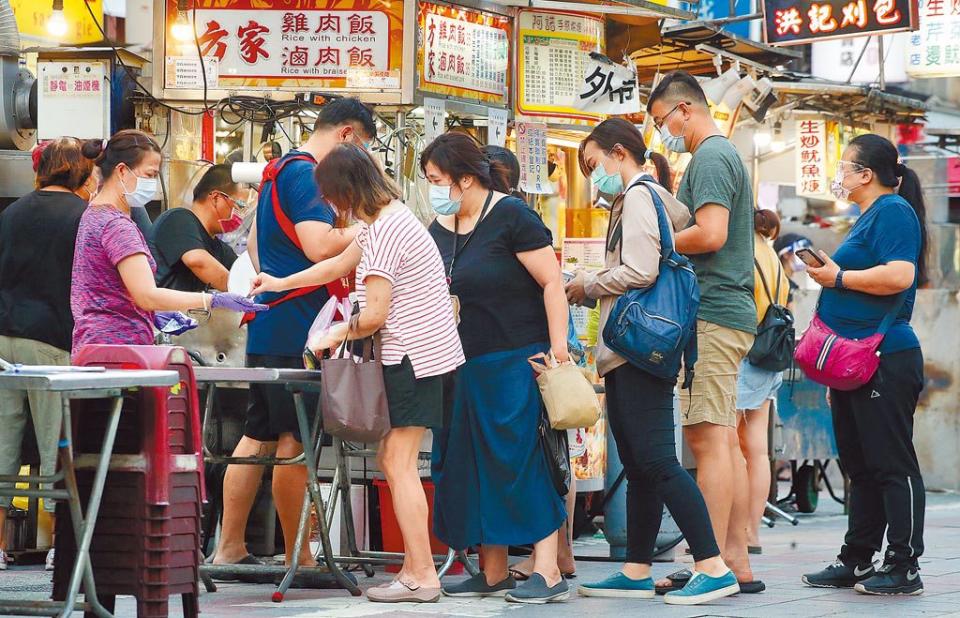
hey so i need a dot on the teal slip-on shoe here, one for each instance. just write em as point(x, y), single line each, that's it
point(619, 585)
point(702, 589)
point(535, 590)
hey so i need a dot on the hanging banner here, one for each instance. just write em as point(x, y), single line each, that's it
point(532, 151)
point(434, 119)
point(32, 16)
point(834, 60)
point(608, 88)
point(463, 53)
point(496, 126)
point(553, 49)
point(791, 22)
point(811, 159)
point(934, 50)
point(334, 44)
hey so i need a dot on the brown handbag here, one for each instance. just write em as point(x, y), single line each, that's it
point(353, 396)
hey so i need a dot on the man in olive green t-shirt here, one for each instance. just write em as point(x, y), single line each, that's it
point(719, 241)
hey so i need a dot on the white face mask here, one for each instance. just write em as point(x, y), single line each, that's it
point(143, 191)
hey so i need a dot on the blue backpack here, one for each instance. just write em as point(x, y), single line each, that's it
point(655, 328)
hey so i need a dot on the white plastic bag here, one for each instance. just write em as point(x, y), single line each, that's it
point(325, 319)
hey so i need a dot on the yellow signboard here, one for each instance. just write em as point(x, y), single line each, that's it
point(32, 16)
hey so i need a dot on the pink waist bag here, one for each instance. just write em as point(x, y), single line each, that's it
point(838, 362)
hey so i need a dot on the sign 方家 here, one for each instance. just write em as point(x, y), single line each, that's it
point(934, 50)
point(811, 159)
point(791, 22)
point(463, 53)
point(553, 49)
point(335, 44)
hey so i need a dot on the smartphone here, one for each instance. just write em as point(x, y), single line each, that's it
point(808, 257)
point(590, 303)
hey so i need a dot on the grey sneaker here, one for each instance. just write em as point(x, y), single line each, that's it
point(48, 564)
point(477, 586)
point(536, 591)
point(3, 560)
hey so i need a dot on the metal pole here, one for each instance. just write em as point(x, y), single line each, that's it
point(859, 58)
point(883, 78)
point(401, 147)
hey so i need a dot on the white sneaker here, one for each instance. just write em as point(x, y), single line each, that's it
point(3, 560)
point(49, 564)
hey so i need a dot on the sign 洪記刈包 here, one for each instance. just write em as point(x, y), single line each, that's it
point(463, 53)
point(334, 44)
point(791, 22)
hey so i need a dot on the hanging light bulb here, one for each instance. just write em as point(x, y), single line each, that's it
point(182, 29)
point(777, 144)
point(57, 23)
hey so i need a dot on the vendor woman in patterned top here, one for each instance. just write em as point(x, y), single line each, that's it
point(114, 295)
point(402, 291)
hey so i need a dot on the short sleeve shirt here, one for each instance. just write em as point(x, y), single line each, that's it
point(420, 323)
point(888, 232)
point(501, 304)
point(103, 310)
point(716, 175)
point(176, 232)
point(282, 331)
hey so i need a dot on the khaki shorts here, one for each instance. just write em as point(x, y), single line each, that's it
point(714, 394)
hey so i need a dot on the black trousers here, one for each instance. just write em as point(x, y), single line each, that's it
point(874, 429)
point(640, 413)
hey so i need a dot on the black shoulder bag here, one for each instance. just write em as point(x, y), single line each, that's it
point(773, 348)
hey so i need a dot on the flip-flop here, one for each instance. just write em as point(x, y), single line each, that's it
point(753, 587)
point(677, 581)
point(249, 559)
point(756, 550)
point(518, 575)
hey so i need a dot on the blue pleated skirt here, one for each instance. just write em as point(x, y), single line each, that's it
point(490, 476)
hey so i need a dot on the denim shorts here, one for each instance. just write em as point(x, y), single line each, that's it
point(756, 385)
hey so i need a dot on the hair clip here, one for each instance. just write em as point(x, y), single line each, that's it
point(647, 154)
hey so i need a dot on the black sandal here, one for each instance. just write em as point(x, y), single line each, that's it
point(754, 587)
point(518, 575)
point(677, 581)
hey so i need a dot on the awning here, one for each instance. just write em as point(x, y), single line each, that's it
point(852, 102)
point(687, 46)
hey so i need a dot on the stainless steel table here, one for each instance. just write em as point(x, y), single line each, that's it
point(75, 383)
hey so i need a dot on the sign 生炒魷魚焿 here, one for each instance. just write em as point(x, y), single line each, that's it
point(791, 22)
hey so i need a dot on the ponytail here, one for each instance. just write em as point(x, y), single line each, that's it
point(912, 192)
point(766, 223)
point(881, 156)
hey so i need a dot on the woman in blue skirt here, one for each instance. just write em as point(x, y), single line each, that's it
point(493, 487)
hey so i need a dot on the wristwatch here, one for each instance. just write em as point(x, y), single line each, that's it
point(838, 283)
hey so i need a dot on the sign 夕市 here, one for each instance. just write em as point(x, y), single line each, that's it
point(463, 53)
point(608, 88)
point(791, 22)
point(336, 44)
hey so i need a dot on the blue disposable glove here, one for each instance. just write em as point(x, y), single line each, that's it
point(173, 322)
point(236, 302)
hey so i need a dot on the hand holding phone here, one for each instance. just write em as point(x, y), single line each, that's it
point(811, 259)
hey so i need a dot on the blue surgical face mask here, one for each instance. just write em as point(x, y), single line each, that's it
point(671, 141)
point(143, 191)
point(441, 202)
point(611, 184)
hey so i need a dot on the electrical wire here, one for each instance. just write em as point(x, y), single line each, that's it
point(203, 66)
point(116, 52)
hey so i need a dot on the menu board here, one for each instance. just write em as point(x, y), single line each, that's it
point(553, 50)
point(463, 53)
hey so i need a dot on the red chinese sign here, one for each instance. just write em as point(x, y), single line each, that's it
point(463, 53)
point(352, 44)
point(811, 162)
point(790, 22)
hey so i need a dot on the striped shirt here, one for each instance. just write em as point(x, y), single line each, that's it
point(420, 323)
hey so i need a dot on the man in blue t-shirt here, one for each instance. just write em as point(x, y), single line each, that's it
point(276, 340)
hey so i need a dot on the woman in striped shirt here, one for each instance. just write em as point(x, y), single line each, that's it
point(403, 294)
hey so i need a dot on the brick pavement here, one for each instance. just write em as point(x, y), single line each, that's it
point(788, 552)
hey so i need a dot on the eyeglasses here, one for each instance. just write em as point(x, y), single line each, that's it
point(856, 166)
point(240, 205)
point(659, 123)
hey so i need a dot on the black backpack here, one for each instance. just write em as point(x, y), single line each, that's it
point(773, 348)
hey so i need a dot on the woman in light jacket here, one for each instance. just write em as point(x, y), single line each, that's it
point(639, 405)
